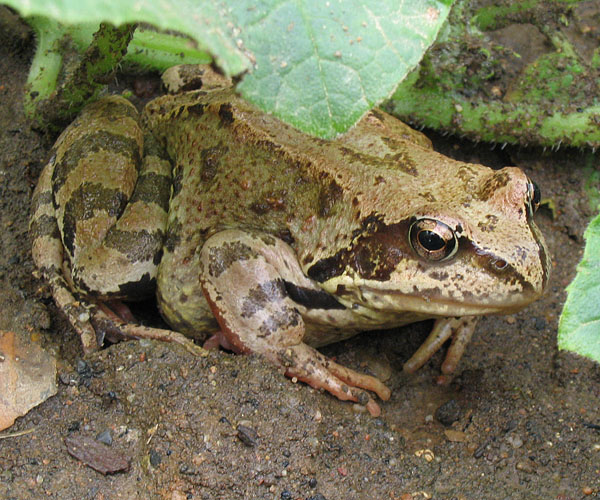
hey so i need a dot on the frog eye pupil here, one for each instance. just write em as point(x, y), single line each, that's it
point(430, 240)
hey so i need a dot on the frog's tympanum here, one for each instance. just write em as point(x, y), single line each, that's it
point(277, 241)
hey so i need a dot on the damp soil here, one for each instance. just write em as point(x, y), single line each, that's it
point(520, 420)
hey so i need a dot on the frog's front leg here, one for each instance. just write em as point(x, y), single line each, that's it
point(245, 277)
point(460, 329)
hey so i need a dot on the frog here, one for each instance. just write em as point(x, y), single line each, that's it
point(262, 239)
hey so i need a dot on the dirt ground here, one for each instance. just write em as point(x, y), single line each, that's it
point(520, 421)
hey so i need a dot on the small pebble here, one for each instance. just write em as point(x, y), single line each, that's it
point(427, 454)
point(318, 496)
point(105, 437)
point(74, 426)
point(83, 368)
point(455, 436)
point(312, 482)
point(515, 441)
point(286, 495)
point(526, 466)
point(67, 379)
point(247, 435)
point(449, 412)
point(155, 458)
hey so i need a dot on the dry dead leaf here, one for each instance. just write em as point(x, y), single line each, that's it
point(97, 455)
point(27, 376)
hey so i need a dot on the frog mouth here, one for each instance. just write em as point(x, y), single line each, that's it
point(435, 305)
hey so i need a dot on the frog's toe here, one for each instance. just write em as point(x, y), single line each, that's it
point(356, 379)
point(459, 329)
point(110, 324)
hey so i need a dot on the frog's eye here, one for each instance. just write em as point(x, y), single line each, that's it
point(534, 196)
point(432, 239)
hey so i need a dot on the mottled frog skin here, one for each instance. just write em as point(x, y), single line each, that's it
point(277, 241)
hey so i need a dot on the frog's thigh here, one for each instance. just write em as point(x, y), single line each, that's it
point(120, 253)
point(243, 277)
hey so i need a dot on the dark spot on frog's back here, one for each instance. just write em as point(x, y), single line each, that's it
point(173, 237)
point(403, 161)
point(196, 109)
point(211, 159)
point(222, 257)
point(492, 184)
point(226, 115)
point(399, 161)
point(328, 198)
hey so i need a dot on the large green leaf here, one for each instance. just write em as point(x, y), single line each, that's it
point(579, 328)
point(317, 64)
point(322, 65)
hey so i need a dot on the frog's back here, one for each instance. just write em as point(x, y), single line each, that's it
point(238, 167)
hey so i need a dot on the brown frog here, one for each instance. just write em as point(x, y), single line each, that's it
point(279, 241)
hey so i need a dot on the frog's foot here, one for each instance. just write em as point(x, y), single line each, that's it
point(77, 312)
point(258, 294)
point(460, 329)
point(309, 365)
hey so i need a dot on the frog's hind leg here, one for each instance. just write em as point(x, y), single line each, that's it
point(99, 213)
point(243, 276)
point(47, 252)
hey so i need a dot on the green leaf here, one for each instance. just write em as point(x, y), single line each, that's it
point(579, 327)
point(317, 64)
point(321, 65)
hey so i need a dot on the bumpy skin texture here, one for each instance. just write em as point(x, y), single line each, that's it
point(287, 241)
